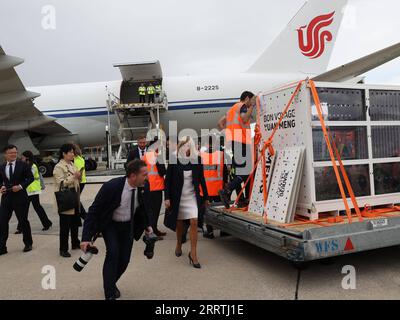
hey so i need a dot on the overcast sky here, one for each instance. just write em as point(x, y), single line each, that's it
point(188, 37)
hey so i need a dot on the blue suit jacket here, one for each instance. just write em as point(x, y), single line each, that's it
point(107, 200)
point(22, 176)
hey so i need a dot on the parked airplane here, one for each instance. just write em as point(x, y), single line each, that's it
point(78, 111)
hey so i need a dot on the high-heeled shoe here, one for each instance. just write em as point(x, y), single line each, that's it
point(195, 265)
point(178, 253)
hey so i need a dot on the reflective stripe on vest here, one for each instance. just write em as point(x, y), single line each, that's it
point(236, 129)
point(236, 121)
point(79, 163)
point(150, 90)
point(142, 91)
point(155, 180)
point(158, 89)
point(213, 165)
point(35, 185)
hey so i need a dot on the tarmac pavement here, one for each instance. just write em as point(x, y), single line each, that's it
point(231, 269)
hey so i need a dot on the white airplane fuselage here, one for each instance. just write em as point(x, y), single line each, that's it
point(197, 102)
point(194, 102)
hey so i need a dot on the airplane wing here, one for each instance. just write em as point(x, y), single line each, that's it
point(17, 108)
point(51, 128)
point(354, 69)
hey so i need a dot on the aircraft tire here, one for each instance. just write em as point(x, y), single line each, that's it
point(46, 169)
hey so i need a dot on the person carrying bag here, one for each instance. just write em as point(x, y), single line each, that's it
point(67, 199)
point(67, 178)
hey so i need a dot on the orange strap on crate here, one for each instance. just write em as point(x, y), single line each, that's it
point(257, 140)
point(331, 152)
point(268, 145)
point(376, 213)
point(265, 191)
point(251, 174)
point(367, 212)
point(346, 179)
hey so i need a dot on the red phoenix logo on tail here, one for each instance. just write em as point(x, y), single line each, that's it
point(316, 38)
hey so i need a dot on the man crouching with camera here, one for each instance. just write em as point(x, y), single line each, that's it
point(120, 213)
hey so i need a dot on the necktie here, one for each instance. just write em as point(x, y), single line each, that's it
point(142, 152)
point(10, 172)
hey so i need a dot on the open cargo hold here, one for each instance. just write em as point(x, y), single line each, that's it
point(363, 125)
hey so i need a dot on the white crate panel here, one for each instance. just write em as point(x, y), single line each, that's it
point(256, 204)
point(283, 184)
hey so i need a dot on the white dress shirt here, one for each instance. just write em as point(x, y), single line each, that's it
point(8, 168)
point(142, 153)
point(123, 212)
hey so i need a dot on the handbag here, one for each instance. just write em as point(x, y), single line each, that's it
point(67, 199)
point(169, 219)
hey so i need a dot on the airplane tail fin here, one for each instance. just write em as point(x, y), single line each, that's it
point(306, 44)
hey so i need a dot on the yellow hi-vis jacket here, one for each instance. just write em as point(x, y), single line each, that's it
point(151, 90)
point(142, 91)
point(79, 163)
point(35, 187)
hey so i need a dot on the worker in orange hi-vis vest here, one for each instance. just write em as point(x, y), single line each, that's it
point(156, 173)
point(236, 123)
point(215, 174)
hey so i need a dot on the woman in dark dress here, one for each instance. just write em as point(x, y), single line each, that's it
point(185, 177)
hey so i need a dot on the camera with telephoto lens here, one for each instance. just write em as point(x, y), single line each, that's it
point(85, 258)
point(149, 240)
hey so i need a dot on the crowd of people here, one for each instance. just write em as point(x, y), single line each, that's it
point(22, 183)
point(126, 207)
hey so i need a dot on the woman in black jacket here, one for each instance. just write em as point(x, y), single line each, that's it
point(185, 177)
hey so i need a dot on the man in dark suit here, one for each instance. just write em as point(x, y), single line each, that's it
point(15, 177)
point(139, 151)
point(120, 212)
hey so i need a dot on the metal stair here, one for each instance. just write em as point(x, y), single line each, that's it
point(134, 119)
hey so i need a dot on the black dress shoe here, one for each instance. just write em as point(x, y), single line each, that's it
point(243, 203)
point(18, 232)
point(160, 234)
point(47, 227)
point(65, 254)
point(27, 248)
point(110, 298)
point(3, 251)
point(208, 235)
point(224, 198)
point(117, 293)
point(76, 244)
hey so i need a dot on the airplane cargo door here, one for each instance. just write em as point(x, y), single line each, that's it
point(139, 74)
